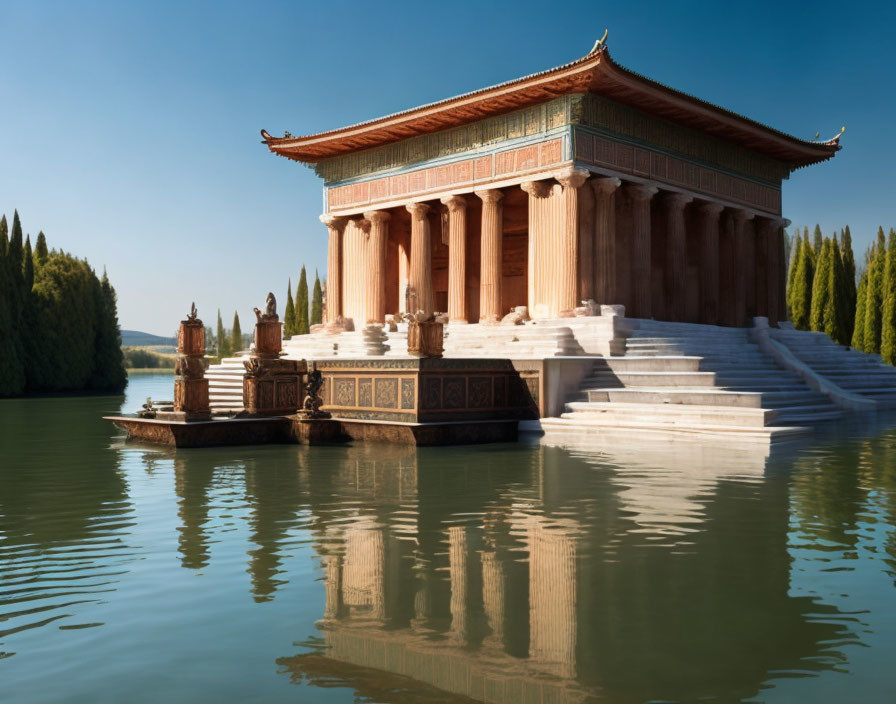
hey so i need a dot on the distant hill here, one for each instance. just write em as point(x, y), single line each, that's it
point(135, 338)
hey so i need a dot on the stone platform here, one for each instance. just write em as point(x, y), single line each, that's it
point(297, 430)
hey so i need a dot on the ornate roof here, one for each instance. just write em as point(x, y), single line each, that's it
point(596, 72)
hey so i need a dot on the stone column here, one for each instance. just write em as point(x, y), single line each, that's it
point(376, 265)
point(420, 274)
point(605, 239)
point(641, 292)
point(538, 191)
point(709, 263)
point(742, 253)
point(567, 239)
point(586, 244)
point(778, 280)
point(762, 236)
point(334, 265)
point(457, 258)
point(676, 256)
point(727, 270)
point(491, 256)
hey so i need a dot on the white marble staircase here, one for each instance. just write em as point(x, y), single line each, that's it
point(225, 385)
point(683, 379)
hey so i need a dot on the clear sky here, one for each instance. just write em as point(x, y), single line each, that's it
point(129, 131)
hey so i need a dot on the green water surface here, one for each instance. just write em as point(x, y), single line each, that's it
point(642, 572)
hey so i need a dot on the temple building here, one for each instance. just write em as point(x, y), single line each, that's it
point(586, 181)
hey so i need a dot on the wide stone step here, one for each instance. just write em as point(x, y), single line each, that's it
point(786, 399)
point(610, 379)
point(648, 364)
point(808, 414)
point(671, 414)
point(695, 397)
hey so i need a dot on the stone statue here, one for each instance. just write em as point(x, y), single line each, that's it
point(313, 401)
point(191, 316)
point(516, 316)
point(270, 310)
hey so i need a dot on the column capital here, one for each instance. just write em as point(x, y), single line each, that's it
point(572, 178)
point(677, 201)
point(492, 195)
point(454, 202)
point(334, 222)
point(641, 191)
point(741, 215)
point(605, 186)
point(779, 221)
point(363, 225)
point(536, 189)
point(710, 208)
point(418, 210)
point(378, 215)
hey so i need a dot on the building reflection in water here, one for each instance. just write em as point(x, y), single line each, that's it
point(547, 575)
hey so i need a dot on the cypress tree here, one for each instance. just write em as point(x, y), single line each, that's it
point(888, 319)
point(874, 294)
point(302, 327)
point(317, 302)
point(818, 241)
point(802, 286)
point(821, 290)
point(16, 258)
point(223, 343)
point(849, 279)
point(236, 334)
point(12, 377)
point(108, 360)
point(27, 269)
point(858, 331)
point(791, 272)
point(40, 250)
point(835, 316)
point(289, 316)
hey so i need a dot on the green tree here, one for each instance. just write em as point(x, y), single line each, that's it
point(888, 318)
point(317, 301)
point(40, 250)
point(108, 361)
point(802, 286)
point(874, 294)
point(236, 334)
point(821, 287)
point(835, 316)
point(27, 268)
point(289, 316)
point(12, 377)
point(817, 241)
point(302, 327)
point(849, 279)
point(858, 331)
point(791, 272)
point(221, 338)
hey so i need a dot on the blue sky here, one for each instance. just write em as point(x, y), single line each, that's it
point(129, 132)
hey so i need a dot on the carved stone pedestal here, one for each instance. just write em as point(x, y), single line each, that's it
point(190, 384)
point(191, 398)
point(425, 339)
point(272, 386)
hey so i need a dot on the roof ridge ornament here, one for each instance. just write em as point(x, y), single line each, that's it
point(600, 44)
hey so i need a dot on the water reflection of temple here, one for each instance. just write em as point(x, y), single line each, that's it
point(537, 578)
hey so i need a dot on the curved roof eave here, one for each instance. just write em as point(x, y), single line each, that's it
point(596, 72)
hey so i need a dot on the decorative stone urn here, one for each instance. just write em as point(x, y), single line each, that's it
point(190, 384)
point(425, 338)
point(272, 386)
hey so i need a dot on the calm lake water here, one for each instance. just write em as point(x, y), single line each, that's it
point(510, 573)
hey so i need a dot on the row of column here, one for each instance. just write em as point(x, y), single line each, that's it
point(574, 254)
